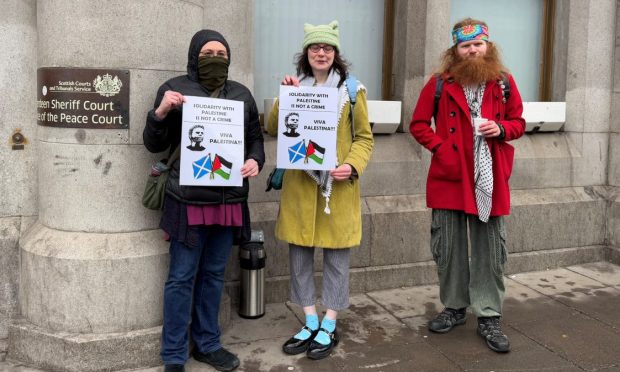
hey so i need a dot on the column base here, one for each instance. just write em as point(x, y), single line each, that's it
point(82, 352)
point(89, 352)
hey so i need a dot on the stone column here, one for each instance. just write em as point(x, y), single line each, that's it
point(18, 187)
point(613, 221)
point(94, 264)
point(588, 88)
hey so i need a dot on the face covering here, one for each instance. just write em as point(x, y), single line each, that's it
point(212, 72)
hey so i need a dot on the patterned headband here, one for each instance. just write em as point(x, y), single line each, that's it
point(470, 32)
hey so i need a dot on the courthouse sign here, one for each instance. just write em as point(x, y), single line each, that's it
point(83, 98)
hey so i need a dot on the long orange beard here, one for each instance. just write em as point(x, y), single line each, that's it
point(472, 71)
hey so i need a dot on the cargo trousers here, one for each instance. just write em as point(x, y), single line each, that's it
point(477, 283)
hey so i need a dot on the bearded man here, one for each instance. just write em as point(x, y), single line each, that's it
point(467, 183)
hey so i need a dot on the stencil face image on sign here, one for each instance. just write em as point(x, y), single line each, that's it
point(307, 123)
point(212, 142)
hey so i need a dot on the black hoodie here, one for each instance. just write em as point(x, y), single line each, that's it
point(161, 135)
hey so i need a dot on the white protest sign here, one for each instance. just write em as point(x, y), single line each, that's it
point(307, 124)
point(211, 142)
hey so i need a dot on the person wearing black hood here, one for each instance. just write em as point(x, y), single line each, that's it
point(202, 222)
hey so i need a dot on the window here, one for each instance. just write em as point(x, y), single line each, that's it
point(522, 29)
point(279, 36)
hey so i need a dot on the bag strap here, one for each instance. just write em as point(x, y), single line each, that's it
point(438, 89)
point(351, 83)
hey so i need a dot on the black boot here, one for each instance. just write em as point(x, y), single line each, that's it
point(220, 359)
point(490, 330)
point(447, 319)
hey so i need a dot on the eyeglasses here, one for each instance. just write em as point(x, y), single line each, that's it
point(314, 48)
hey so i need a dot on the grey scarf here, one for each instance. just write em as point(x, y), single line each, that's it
point(323, 178)
point(483, 163)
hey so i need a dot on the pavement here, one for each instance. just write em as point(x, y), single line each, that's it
point(562, 319)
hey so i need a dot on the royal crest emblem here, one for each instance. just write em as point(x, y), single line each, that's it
point(107, 86)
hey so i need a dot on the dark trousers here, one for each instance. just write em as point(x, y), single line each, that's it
point(193, 292)
point(478, 283)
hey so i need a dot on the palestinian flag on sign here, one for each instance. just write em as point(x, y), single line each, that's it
point(222, 167)
point(315, 152)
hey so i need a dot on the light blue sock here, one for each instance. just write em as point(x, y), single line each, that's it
point(329, 325)
point(312, 322)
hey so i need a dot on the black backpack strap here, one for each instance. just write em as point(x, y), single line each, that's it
point(438, 89)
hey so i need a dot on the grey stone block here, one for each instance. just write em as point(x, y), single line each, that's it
point(144, 85)
point(613, 218)
point(553, 258)
point(92, 283)
point(614, 159)
point(17, 79)
point(615, 104)
point(9, 275)
point(160, 45)
point(384, 277)
point(400, 229)
point(613, 255)
point(101, 184)
point(544, 219)
point(83, 352)
point(396, 167)
point(542, 160)
point(590, 168)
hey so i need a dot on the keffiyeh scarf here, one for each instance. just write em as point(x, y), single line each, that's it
point(483, 163)
point(323, 178)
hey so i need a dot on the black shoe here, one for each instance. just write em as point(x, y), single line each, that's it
point(318, 351)
point(220, 359)
point(447, 319)
point(174, 368)
point(490, 330)
point(296, 346)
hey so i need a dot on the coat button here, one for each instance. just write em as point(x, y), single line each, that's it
point(452, 130)
point(452, 114)
point(497, 116)
point(454, 147)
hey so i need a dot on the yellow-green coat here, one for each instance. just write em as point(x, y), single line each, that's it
point(301, 219)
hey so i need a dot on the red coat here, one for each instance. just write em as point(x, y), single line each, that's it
point(450, 183)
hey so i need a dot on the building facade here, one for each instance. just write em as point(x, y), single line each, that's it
point(83, 263)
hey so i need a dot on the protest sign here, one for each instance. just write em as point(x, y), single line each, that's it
point(307, 126)
point(211, 142)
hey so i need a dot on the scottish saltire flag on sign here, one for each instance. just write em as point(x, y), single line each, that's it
point(202, 167)
point(307, 127)
point(315, 152)
point(297, 152)
point(222, 167)
point(212, 142)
